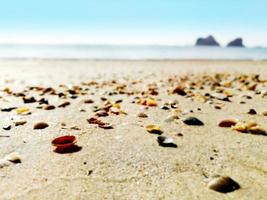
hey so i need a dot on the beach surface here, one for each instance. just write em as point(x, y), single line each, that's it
point(126, 162)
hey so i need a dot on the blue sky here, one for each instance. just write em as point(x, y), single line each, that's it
point(132, 21)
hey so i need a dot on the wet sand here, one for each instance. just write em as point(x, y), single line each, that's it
point(126, 162)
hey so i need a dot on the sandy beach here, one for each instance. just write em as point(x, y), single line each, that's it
point(126, 161)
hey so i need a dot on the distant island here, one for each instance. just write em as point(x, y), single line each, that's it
point(211, 41)
point(208, 41)
point(238, 42)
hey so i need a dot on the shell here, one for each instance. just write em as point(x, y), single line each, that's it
point(166, 141)
point(151, 128)
point(23, 111)
point(40, 125)
point(4, 163)
point(228, 123)
point(240, 127)
point(64, 141)
point(257, 130)
point(223, 184)
point(151, 102)
point(105, 126)
point(193, 121)
point(13, 157)
point(142, 115)
point(49, 107)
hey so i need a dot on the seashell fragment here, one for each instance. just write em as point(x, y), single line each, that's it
point(142, 115)
point(166, 142)
point(227, 123)
point(23, 111)
point(4, 163)
point(193, 121)
point(223, 184)
point(153, 129)
point(13, 157)
point(105, 126)
point(151, 102)
point(257, 130)
point(240, 127)
point(40, 125)
point(49, 107)
point(29, 100)
point(63, 105)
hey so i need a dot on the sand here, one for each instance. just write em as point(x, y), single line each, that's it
point(126, 162)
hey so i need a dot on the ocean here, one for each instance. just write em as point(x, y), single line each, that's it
point(10, 51)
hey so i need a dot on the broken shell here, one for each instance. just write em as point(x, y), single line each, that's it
point(18, 121)
point(151, 102)
point(240, 127)
point(227, 123)
point(179, 90)
point(193, 121)
point(4, 163)
point(101, 113)
point(23, 111)
point(251, 124)
point(223, 184)
point(105, 126)
point(7, 127)
point(13, 157)
point(114, 110)
point(40, 125)
point(89, 101)
point(49, 107)
point(166, 141)
point(142, 115)
point(257, 130)
point(29, 100)
point(153, 129)
point(63, 105)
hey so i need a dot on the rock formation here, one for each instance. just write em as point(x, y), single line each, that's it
point(208, 41)
point(238, 42)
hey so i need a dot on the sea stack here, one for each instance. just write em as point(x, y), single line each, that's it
point(238, 42)
point(208, 41)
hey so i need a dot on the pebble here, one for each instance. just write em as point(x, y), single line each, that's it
point(166, 141)
point(193, 121)
point(40, 125)
point(223, 184)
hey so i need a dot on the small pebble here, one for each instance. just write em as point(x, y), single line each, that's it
point(252, 112)
point(227, 123)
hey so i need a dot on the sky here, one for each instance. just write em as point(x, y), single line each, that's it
point(172, 22)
